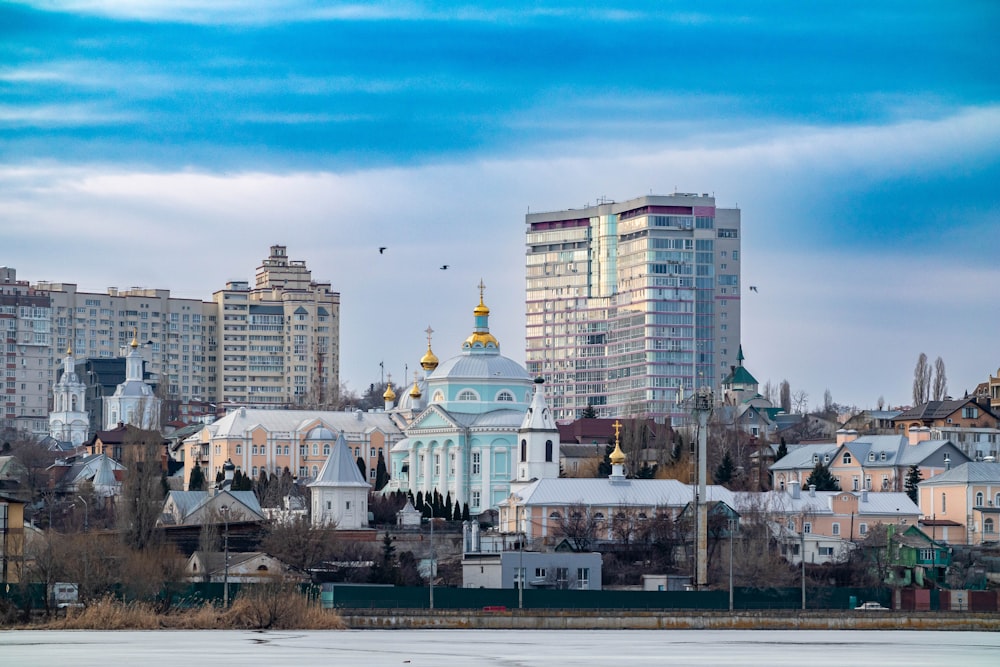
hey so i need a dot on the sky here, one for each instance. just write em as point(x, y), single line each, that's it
point(168, 144)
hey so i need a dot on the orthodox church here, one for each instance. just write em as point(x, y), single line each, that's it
point(133, 401)
point(484, 424)
point(69, 421)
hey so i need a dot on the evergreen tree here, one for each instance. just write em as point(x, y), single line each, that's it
point(678, 449)
point(782, 450)
point(362, 468)
point(219, 477)
point(456, 513)
point(446, 508)
point(465, 511)
point(381, 473)
point(822, 478)
point(418, 503)
point(913, 477)
point(604, 467)
point(588, 412)
point(646, 471)
point(197, 481)
point(724, 471)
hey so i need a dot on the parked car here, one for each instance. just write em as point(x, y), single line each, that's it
point(871, 606)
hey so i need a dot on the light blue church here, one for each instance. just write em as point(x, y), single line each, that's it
point(476, 423)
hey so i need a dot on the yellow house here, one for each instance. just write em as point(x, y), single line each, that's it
point(11, 539)
point(258, 440)
point(962, 505)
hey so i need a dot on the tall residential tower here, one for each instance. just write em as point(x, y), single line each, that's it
point(631, 305)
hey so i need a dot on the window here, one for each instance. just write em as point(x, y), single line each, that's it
point(583, 577)
point(825, 551)
point(988, 526)
point(944, 503)
point(868, 482)
point(239, 449)
point(476, 495)
point(326, 449)
point(871, 456)
point(315, 449)
point(927, 554)
point(467, 395)
point(524, 451)
point(505, 396)
point(857, 483)
point(970, 412)
point(476, 463)
point(979, 499)
point(451, 465)
point(303, 450)
point(555, 515)
point(302, 471)
point(807, 527)
point(846, 460)
point(882, 456)
point(540, 573)
point(863, 529)
point(347, 505)
point(548, 451)
point(371, 452)
point(562, 576)
point(437, 465)
point(836, 529)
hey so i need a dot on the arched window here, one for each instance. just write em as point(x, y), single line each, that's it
point(524, 451)
point(326, 449)
point(846, 460)
point(548, 451)
point(315, 449)
point(988, 526)
point(599, 516)
point(979, 499)
point(555, 515)
point(505, 396)
point(642, 516)
point(438, 397)
point(315, 470)
point(996, 502)
point(467, 395)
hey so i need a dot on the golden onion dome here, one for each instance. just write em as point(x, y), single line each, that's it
point(415, 391)
point(135, 338)
point(389, 394)
point(617, 457)
point(429, 361)
point(483, 337)
point(481, 310)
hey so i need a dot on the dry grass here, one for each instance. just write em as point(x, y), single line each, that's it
point(260, 610)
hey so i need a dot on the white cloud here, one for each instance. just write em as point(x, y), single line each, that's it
point(831, 318)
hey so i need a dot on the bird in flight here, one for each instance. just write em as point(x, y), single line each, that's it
point(753, 288)
point(382, 250)
point(444, 266)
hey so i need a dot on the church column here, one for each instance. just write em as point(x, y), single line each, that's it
point(461, 474)
point(428, 469)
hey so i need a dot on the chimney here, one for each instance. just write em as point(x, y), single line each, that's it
point(794, 489)
point(912, 434)
point(812, 490)
point(923, 434)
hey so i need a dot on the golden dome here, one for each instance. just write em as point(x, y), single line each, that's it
point(429, 361)
point(481, 309)
point(135, 338)
point(617, 457)
point(483, 337)
point(415, 391)
point(69, 351)
point(389, 394)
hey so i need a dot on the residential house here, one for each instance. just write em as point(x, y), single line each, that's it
point(11, 539)
point(195, 508)
point(102, 474)
point(532, 569)
point(962, 505)
point(253, 567)
point(914, 559)
point(964, 412)
point(872, 422)
point(874, 463)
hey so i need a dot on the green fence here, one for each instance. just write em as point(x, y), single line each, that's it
point(389, 597)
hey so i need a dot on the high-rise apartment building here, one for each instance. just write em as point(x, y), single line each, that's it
point(26, 324)
point(274, 345)
point(631, 305)
point(279, 341)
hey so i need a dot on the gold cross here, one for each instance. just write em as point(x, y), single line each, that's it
point(618, 427)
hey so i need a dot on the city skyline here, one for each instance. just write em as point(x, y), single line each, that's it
point(168, 146)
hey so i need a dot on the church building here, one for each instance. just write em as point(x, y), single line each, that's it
point(133, 401)
point(485, 424)
point(68, 421)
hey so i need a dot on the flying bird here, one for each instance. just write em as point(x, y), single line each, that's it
point(382, 250)
point(753, 288)
point(444, 266)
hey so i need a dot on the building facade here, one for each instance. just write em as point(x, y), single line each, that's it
point(69, 421)
point(631, 304)
point(279, 342)
point(26, 323)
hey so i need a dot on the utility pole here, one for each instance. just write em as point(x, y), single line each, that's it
point(702, 408)
point(225, 576)
point(431, 577)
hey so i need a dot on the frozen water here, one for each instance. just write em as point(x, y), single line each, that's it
point(497, 648)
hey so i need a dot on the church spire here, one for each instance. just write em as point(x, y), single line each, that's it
point(481, 337)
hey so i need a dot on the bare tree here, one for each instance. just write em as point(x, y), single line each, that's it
point(578, 526)
point(880, 403)
point(827, 401)
point(141, 501)
point(785, 396)
point(299, 543)
point(940, 389)
point(767, 391)
point(801, 401)
point(921, 380)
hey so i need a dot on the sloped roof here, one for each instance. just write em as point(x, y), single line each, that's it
point(974, 472)
point(340, 468)
point(938, 409)
point(238, 421)
point(635, 492)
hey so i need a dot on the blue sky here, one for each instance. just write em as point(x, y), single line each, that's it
point(168, 144)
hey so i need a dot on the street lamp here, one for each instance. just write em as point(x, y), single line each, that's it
point(430, 577)
point(520, 564)
point(732, 531)
point(225, 576)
